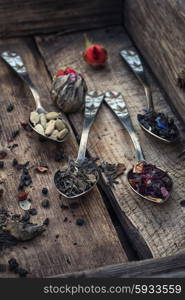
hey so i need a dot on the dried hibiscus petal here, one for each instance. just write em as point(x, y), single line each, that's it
point(41, 169)
point(150, 181)
point(22, 196)
point(138, 168)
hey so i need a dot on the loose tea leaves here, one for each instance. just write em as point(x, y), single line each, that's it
point(150, 181)
point(77, 178)
point(17, 229)
point(112, 171)
point(159, 124)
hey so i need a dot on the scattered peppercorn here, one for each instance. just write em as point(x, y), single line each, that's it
point(22, 272)
point(1, 164)
point(59, 155)
point(65, 219)
point(14, 267)
point(45, 191)
point(26, 218)
point(1, 192)
point(13, 264)
point(32, 211)
point(45, 203)
point(14, 162)
point(10, 107)
point(63, 206)
point(15, 133)
point(80, 222)
point(46, 222)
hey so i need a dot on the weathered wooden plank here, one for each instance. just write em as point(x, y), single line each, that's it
point(77, 247)
point(166, 267)
point(157, 28)
point(39, 16)
point(161, 227)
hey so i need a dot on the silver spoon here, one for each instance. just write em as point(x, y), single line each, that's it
point(117, 104)
point(134, 62)
point(16, 63)
point(93, 102)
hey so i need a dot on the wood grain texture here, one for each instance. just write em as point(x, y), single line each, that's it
point(157, 28)
point(77, 247)
point(166, 267)
point(161, 227)
point(21, 17)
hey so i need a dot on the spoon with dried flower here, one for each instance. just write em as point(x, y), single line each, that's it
point(81, 175)
point(154, 123)
point(49, 125)
point(145, 179)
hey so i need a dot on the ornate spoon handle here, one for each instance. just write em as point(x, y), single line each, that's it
point(117, 104)
point(92, 104)
point(15, 61)
point(134, 62)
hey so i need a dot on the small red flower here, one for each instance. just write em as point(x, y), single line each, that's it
point(95, 55)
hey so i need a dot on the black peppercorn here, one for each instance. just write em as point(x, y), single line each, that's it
point(15, 134)
point(10, 107)
point(80, 222)
point(46, 222)
point(45, 191)
point(45, 203)
point(32, 211)
point(14, 162)
point(1, 164)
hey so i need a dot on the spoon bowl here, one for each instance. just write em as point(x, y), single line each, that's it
point(39, 111)
point(78, 195)
point(158, 200)
point(158, 137)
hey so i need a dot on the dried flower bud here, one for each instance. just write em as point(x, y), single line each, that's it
point(94, 54)
point(68, 90)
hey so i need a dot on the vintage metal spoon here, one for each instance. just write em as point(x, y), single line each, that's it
point(134, 62)
point(117, 104)
point(15, 61)
point(92, 104)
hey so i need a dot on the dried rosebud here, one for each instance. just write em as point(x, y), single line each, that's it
point(22, 196)
point(68, 90)
point(94, 55)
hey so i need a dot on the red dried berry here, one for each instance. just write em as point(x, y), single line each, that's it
point(22, 196)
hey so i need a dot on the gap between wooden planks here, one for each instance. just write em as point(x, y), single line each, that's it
point(76, 248)
point(162, 227)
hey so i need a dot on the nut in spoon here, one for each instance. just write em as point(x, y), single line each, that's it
point(15, 61)
point(134, 62)
point(117, 104)
point(93, 102)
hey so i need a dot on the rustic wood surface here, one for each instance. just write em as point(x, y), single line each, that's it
point(157, 28)
point(166, 267)
point(77, 247)
point(21, 17)
point(160, 226)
